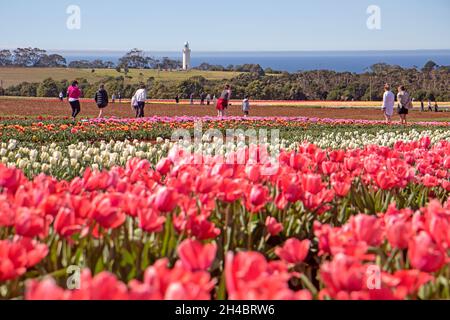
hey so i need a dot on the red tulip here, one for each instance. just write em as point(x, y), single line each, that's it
point(149, 220)
point(341, 183)
point(66, 224)
point(160, 283)
point(259, 195)
point(10, 178)
point(329, 167)
point(13, 260)
point(31, 223)
point(294, 251)
point(367, 228)
point(430, 181)
point(410, 281)
point(273, 227)
point(195, 256)
point(343, 274)
point(165, 199)
point(385, 180)
point(253, 173)
point(163, 166)
point(437, 223)
point(107, 210)
point(424, 254)
point(44, 290)
point(312, 183)
point(250, 277)
point(35, 251)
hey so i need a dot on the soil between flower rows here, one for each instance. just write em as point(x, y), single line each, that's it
point(49, 107)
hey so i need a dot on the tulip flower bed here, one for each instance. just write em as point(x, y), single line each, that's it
point(148, 129)
point(369, 222)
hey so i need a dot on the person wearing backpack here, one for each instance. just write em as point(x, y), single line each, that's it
point(404, 104)
point(101, 99)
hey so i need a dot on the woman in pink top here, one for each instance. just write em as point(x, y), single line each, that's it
point(73, 95)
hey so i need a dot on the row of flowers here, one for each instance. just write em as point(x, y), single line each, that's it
point(68, 161)
point(315, 229)
point(151, 128)
point(400, 254)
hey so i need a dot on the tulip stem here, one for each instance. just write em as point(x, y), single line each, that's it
point(308, 284)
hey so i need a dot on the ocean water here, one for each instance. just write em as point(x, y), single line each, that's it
point(341, 61)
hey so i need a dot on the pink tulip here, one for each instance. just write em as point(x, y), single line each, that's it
point(294, 251)
point(273, 227)
point(424, 254)
point(195, 256)
point(165, 199)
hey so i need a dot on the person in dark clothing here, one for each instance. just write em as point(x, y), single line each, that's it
point(177, 99)
point(422, 106)
point(101, 99)
point(202, 98)
point(436, 107)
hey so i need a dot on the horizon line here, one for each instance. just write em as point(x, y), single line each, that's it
point(235, 51)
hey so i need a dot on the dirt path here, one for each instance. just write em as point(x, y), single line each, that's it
point(36, 107)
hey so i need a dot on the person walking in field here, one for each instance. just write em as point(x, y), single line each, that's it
point(422, 106)
point(61, 96)
point(430, 108)
point(101, 99)
point(177, 99)
point(404, 104)
point(246, 106)
point(73, 96)
point(191, 99)
point(388, 103)
point(202, 98)
point(223, 101)
point(436, 107)
point(208, 99)
point(138, 101)
point(113, 98)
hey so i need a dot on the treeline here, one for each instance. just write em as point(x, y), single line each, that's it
point(431, 82)
point(35, 57)
point(31, 57)
point(248, 67)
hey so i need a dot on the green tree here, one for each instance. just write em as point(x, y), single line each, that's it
point(48, 88)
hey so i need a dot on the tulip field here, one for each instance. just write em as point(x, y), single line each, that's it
point(116, 209)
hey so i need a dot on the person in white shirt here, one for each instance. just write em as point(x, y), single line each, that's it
point(388, 103)
point(138, 101)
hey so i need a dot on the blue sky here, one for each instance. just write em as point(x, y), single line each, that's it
point(233, 25)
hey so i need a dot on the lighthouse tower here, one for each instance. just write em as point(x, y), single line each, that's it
point(186, 56)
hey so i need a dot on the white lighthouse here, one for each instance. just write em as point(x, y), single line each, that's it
point(186, 56)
